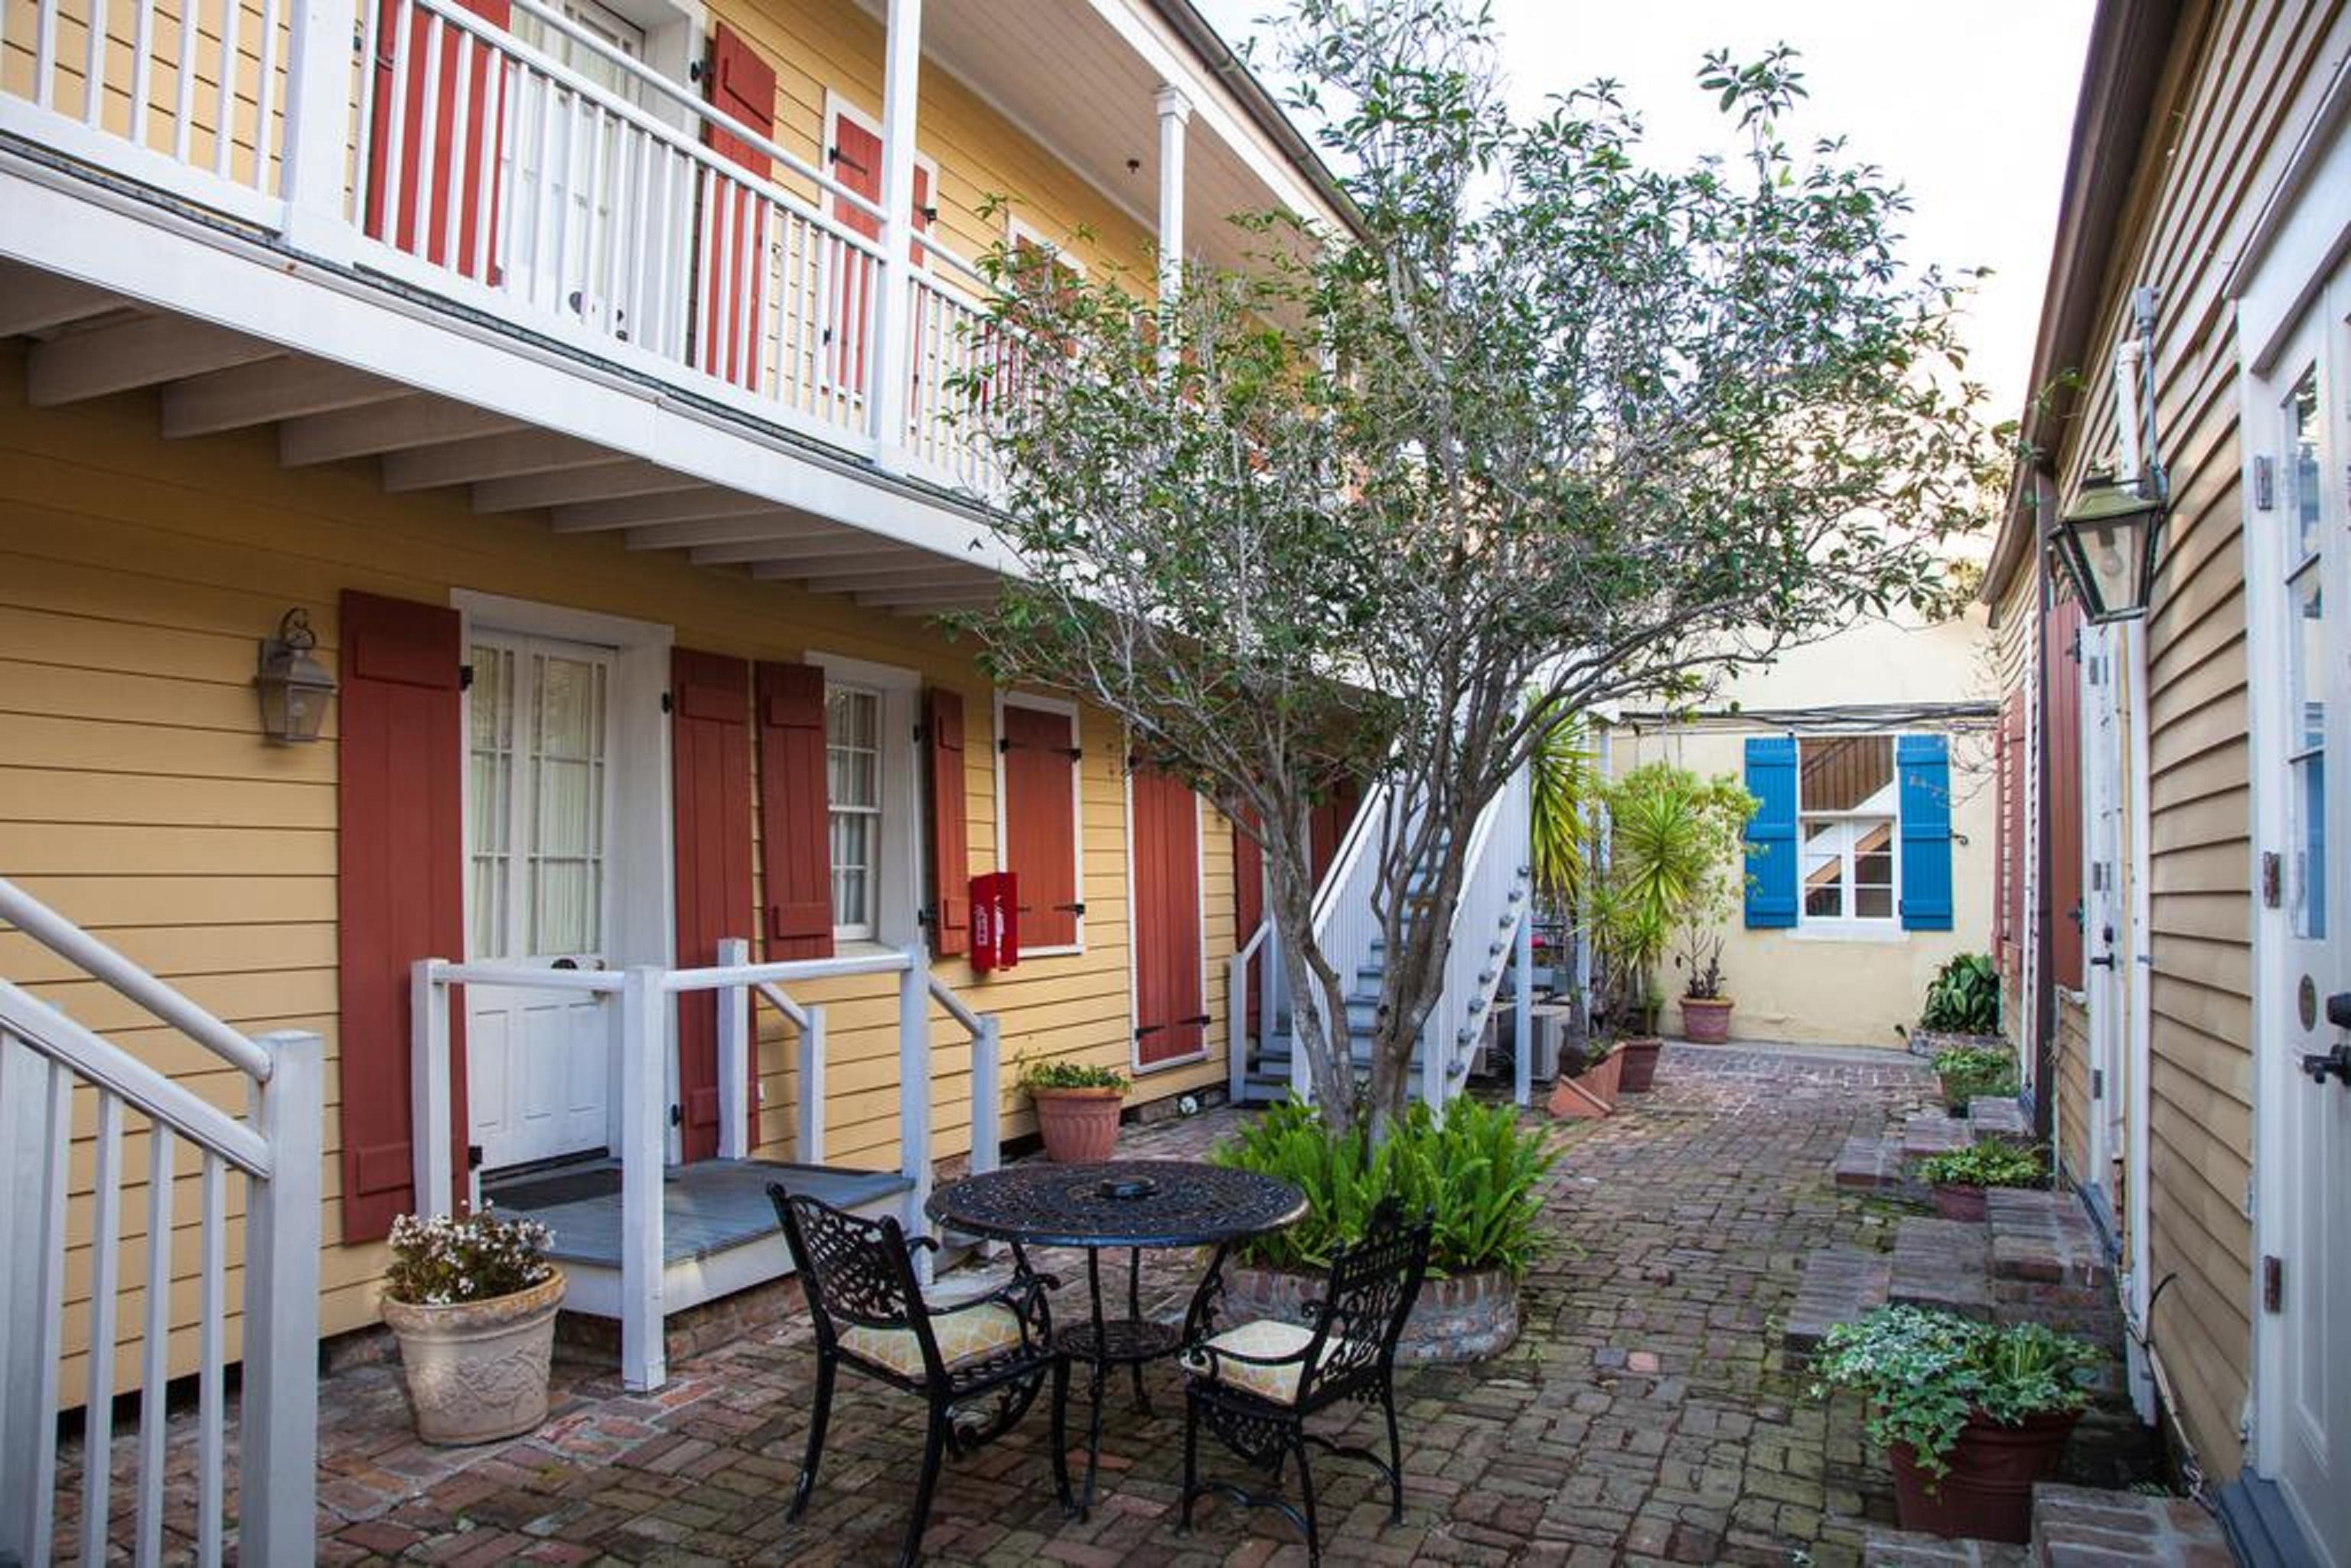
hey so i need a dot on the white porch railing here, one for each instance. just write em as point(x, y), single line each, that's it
point(646, 996)
point(625, 216)
point(46, 1061)
point(1486, 922)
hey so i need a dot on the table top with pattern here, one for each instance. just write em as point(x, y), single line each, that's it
point(1121, 1203)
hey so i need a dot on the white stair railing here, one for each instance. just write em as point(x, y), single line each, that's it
point(46, 1061)
point(1487, 919)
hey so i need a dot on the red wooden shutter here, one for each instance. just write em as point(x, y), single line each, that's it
point(735, 220)
point(2062, 736)
point(1039, 824)
point(795, 824)
point(417, 217)
point(710, 789)
point(1249, 908)
point(855, 159)
point(400, 851)
point(921, 217)
point(950, 839)
point(1169, 1015)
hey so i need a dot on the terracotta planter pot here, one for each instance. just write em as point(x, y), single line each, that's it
point(1080, 1127)
point(1707, 1020)
point(476, 1371)
point(1640, 1069)
point(1988, 1495)
point(1954, 1200)
point(1592, 1093)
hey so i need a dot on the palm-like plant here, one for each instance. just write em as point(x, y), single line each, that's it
point(1674, 860)
point(1564, 782)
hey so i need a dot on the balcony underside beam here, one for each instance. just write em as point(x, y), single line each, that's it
point(266, 391)
point(417, 419)
point(32, 300)
point(776, 526)
point(140, 352)
point(616, 476)
point(512, 454)
point(700, 503)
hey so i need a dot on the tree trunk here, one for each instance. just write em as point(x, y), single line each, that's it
point(1318, 997)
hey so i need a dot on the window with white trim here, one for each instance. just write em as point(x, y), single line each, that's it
point(1849, 824)
point(853, 753)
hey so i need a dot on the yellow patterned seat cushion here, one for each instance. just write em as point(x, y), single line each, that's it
point(1267, 1339)
point(970, 1334)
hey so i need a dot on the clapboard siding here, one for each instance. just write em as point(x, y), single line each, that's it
point(137, 797)
point(2220, 118)
point(2072, 1107)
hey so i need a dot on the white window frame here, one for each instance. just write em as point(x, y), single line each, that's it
point(861, 930)
point(1849, 927)
point(1068, 710)
point(897, 864)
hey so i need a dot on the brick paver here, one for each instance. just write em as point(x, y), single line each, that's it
point(1649, 1413)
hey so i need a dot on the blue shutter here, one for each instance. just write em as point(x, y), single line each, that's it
point(1922, 764)
point(1771, 832)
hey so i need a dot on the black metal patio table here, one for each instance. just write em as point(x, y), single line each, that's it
point(1130, 1204)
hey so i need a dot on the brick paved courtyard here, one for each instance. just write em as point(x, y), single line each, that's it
point(1646, 1414)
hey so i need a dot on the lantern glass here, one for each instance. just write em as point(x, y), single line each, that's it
point(294, 688)
point(2107, 545)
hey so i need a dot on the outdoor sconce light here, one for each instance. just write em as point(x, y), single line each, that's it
point(2109, 543)
point(293, 686)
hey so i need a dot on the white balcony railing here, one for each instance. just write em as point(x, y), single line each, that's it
point(621, 215)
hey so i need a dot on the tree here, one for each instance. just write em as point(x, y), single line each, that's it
point(1542, 428)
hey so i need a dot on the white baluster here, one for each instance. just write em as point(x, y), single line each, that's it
point(809, 1147)
point(735, 1045)
point(93, 80)
point(212, 1318)
point(225, 122)
point(277, 1422)
point(35, 1141)
point(432, 1114)
point(155, 1369)
point(98, 1397)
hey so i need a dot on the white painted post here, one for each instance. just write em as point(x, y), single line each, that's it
point(429, 1095)
point(987, 1095)
point(1236, 1028)
point(644, 1104)
point(914, 1087)
point(35, 1134)
point(1522, 1009)
point(279, 1419)
point(892, 356)
point(734, 1055)
point(1174, 111)
point(319, 120)
point(810, 1147)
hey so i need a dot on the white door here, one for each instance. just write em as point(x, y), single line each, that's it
point(568, 163)
point(539, 822)
point(2103, 918)
point(2309, 410)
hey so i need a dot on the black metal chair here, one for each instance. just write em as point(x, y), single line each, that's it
point(976, 1364)
point(1257, 1385)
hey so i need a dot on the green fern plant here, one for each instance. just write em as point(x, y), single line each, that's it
point(1964, 997)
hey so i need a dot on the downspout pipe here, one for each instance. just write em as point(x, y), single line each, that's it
point(2044, 913)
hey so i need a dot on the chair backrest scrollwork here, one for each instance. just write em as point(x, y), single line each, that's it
point(855, 1271)
point(1373, 1284)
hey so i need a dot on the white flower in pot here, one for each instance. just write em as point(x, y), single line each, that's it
point(472, 1302)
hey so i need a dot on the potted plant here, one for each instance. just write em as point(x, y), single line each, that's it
point(1961, 1175)
point(1963, 999)
point(1968, 1071)
point(1591, 1078)
point(1477, 1171)
point(1705, 1011)
point(1676, 862)
point(472, 1302)
point(1971, 1414)
point(1076, 1108)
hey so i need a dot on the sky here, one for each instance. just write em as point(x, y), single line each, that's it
point(1970, 107)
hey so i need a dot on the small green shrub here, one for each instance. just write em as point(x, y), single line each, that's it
point(1964, 997)
point(1925, 1372)
point(1475, 1172)
point(1968, 1071)
point(1990, 1163)
point(1063, 1074)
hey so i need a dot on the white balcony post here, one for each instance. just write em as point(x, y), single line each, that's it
point(1174, 112)
point(914, 1087)
point(986, 1094)
point(279, 1419)
point(644, 1101)
point(428, 1089)
point(318, 129)
point(1522, 1009)
point(893, 336)
point(735, 1046)
point(810, 1147)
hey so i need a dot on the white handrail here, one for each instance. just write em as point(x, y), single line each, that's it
point(722, 976)
point(1492, 899)
point(987, 1075)
point(101, 962)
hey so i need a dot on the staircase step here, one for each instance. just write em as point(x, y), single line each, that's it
point(2259, 1526)
point(1932, 1133)
point(1839, 1284)
point(1998, 1116)
point(1869, 1160)
point(1944, 1263)
point(2044, 1236)
point(1884, 1547)
point(2079, 1527)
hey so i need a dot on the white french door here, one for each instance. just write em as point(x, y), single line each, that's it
point(2104, 982)
point(539, 828)
point(2304, 554)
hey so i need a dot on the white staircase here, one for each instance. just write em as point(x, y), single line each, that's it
point(56, 1076)
point(1490, 928)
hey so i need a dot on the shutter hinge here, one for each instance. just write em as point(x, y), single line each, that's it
point(2098, 1083)
point(2272, 1283)
point(1076, 753)
point(465, 677)
point(676, 1116)
point(665, 703)
point(1076, 909)
point(919, 735)
point(1004, 744)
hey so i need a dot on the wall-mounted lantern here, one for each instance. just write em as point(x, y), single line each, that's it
point(293, 686)
point(2109, 543)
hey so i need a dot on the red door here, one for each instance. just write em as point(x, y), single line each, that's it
point(735, 216)
point(1170, 1017)
point(710, 786)
point(457, 165)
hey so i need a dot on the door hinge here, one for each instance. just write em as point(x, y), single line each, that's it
point(665, 703)
point(676, 1116)
point(2264, 485)
point(2098, 1083)
point(465, 677)
point(2272, 1284)
point(2272, 879)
